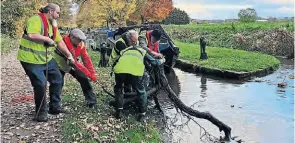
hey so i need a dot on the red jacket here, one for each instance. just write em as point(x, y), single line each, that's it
point(156, 45)
point(88, 69)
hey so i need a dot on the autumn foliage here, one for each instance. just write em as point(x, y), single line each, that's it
point(91, 13)
point(151, 10)
point(16, 12)
point(94, 13)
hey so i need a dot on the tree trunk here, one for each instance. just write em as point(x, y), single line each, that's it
point(203, 115)
point(142, 19)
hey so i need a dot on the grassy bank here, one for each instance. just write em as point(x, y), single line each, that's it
point(8, 44)
point(237, 27)
point(90, 125)
point(276, 38)
point(226, 59)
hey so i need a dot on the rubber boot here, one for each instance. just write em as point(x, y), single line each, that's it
point(92, 105)
point(119, 113)
point(119, 101)
point(57, 111)
point(142, 118)
point(112, 103)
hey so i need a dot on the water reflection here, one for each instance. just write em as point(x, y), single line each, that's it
point(257, 111)
point(203, 86)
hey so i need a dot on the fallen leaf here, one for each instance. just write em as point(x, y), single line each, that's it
point(9, 133)
point(93, 128)
point(110, 125)
point(118, 126)
point(37, 127)
point(22, 125)
point(149, 136)
point(87, 126)
point(46, 124)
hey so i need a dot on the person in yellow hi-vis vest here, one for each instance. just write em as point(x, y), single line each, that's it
point(36, 48)
point(130, 68)
point(121, 44)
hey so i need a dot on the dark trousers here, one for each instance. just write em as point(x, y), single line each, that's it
point(137, 84)
point(84, 83)
point(37, 75)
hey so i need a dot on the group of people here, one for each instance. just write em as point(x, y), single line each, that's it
point(45, 55)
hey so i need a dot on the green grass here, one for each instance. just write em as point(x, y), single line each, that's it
point(260, 36)
point(227, 59)
point(239, 26)
point(90, 125)
point(135, 135)
point(8, 44)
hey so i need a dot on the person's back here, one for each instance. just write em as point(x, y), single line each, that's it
point(131, 61)
point(120, 45)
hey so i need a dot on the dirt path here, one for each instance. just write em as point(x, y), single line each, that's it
point(16, 118)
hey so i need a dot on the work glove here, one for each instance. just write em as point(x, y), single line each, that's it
point(93, 77)
point(162, 61)
point(71, 61)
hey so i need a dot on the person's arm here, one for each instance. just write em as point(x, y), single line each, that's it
point(38, 37)
point(62, 46)
point(120, 46)
point(33, 29)
point(143, 44)
point(87, 61)
point(64, 49)
point(83, 69)
point(153, 60)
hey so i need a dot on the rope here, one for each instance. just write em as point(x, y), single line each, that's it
point(46, 74)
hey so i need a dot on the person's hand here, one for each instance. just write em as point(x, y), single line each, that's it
point(71, 61)
point(162, 61)
point(49, 42)
point(159, 55)
point(93, 77)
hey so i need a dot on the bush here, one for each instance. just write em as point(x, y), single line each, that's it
point(11, 11)
point(177, 17)
point(247, 15)
point(271, 38)
point(8, 44)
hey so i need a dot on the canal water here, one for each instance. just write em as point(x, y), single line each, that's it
point(256, 110)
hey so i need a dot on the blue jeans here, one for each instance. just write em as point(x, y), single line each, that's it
point(37, 75)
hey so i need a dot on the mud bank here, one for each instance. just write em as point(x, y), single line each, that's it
point(194, 68)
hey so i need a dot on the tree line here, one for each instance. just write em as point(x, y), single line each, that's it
point(92, 13)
